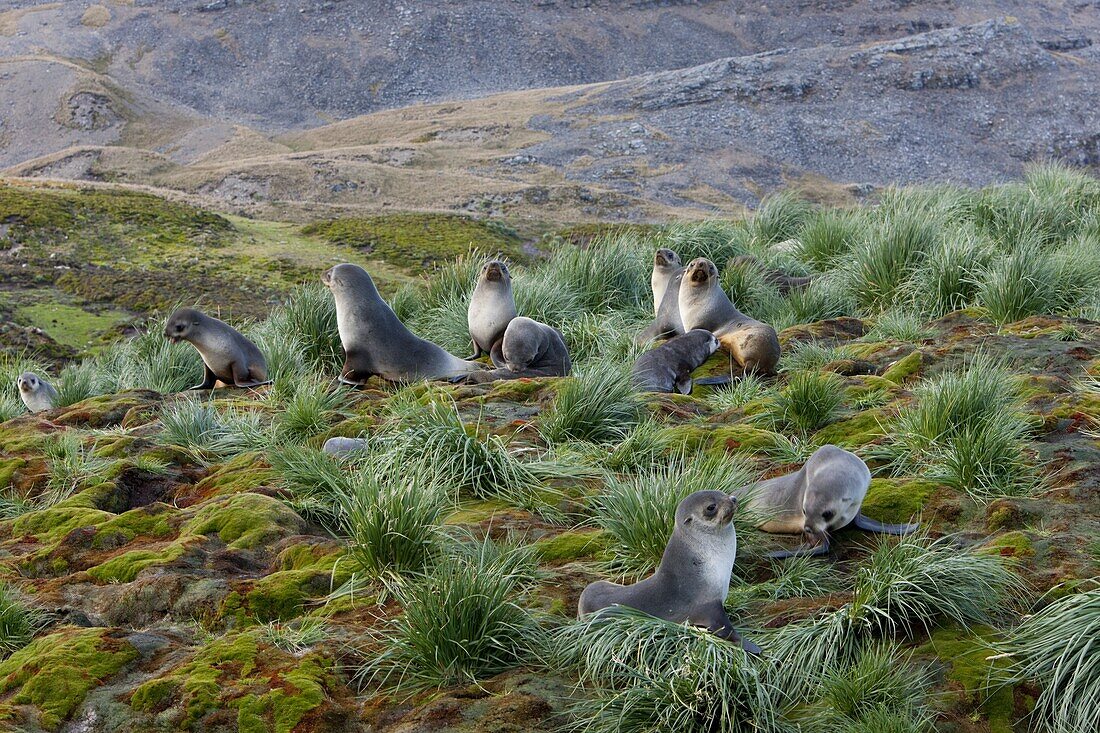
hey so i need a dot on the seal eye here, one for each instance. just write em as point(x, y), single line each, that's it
point(827, 515)
point(711, 509)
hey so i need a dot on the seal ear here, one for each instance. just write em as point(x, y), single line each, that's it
point(687, 520)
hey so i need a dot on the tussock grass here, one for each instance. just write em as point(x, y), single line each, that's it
point(899, 324)
point(639, 674)
point(297, 637)
point(950, 275)
point(463, 620)
point(78, 382)
point(781, 216)
point(809, 401)
point(879, 266)
point(639, 510)
point(18, 622)
point(880, 684)
point(310, 314)
point(828, 236)
point(812, 355)
point(966, 428)
point(904, 588)
point(647, 447)
point(612, 272)
point(798, 577)
point(391, 523)
point(746, 389)
point(209, 434)
point(11, 406)
point(718, 240)
point(310, 410)
point(1056, 648)
point(599, 406)
point(72, 466)
point(315, 483)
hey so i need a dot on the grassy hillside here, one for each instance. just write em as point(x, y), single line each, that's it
point(183, 562)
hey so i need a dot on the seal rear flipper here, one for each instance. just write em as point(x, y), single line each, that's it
point(683, 386)
point(713, 380)
point(802, 551)
point(867, 524)
point(751, 647)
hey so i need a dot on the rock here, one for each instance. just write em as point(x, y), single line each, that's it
point(344, 446)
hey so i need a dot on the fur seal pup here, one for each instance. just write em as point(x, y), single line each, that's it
point(693, 579)
point(823, 496)
point(668, 367)
point(492, 308)
point(528, 349)
point(665, 283)
point(376, 342)
point(778, 279)
point(703, 304)
point(226, 354)
point(37, 394)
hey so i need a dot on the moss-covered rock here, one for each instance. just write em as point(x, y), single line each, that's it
point(106, 410)
point(904, 369)
point(855, 431)
point(1011, 544)
point(54, 673)
point(573, 545)
point(244, 521)
point(125, 567)
point(895, 500)
point(971, 663)
point(246, 472)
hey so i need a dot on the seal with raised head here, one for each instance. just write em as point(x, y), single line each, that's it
point(375, 341)
point(665, 283)
point(692, 581)
point(704, 304)
point(492, 308)
point(529, 349)
point(823, 496)
point(227, 356)
point(37, 394)
point(668, 367)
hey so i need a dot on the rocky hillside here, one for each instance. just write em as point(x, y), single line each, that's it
point(172, 561)
point(552, 110)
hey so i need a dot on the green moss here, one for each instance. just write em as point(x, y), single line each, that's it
point(148, 521)
point(418, 241)
point(246, 472)
point(155, 694)
point(287, 707)
point(105, 410)
point(1011, 544)
point(524, 391)
point(283, 595)
point(51, 525)
point(8, 467)
point(477, 511)
point(853, 432)
point(572, 545)
point(244, 521)
point(897, 500)
point(98, 496)
point(125, 567)
point(904, 369)
point(970, 667)
point(738, 437)
point(55, 673)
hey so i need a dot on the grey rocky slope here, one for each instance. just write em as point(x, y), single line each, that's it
point(680, 106)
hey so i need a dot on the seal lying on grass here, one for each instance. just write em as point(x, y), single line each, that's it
point(693, 579)
point(668, 367)
point(528, 349)
point(821, 497)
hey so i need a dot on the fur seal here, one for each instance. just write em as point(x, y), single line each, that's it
point(668, 367)
point(693, 579)
point(778, 279)
point(374, 339)
point(528, 349)
point(226, 354)
point(492, 308)
point(703, 304)
point(37, 394)
point(665, 283)
point(823, 496)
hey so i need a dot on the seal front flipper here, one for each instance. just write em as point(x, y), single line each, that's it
point(871, 525)
point(496, 353)
point(477, 351)
point(713, 380)
point(209, 380)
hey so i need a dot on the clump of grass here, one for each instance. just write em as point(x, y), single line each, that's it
point(444, 323)
point(463, 620)
point(746, 389)
point(809, 401)
point(638, 510)
point(297, 637)
point(641, 674)
point(780, 217)
point(1056, 648)
point(313, 481)
point(718, 240)
point(613, 271)
point(72, 466)
point(11, 406)
point(392, 523)
point(78, 382)
point(208, 433)
point(879, 684)
point(1020, 284)
point(828, 235)
point(599, 406)
point(899, 324)
point(436, 441)
point(966, 428)
point(283, 352)
point(812, 355)
point(948, 278)
point(605, 337)
point(904, 588)
point(310, 410)
point(647, 446)
point(150, 361)
point(310, 314)
point(881, 263)
point(799, 577)
point(18, 622)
